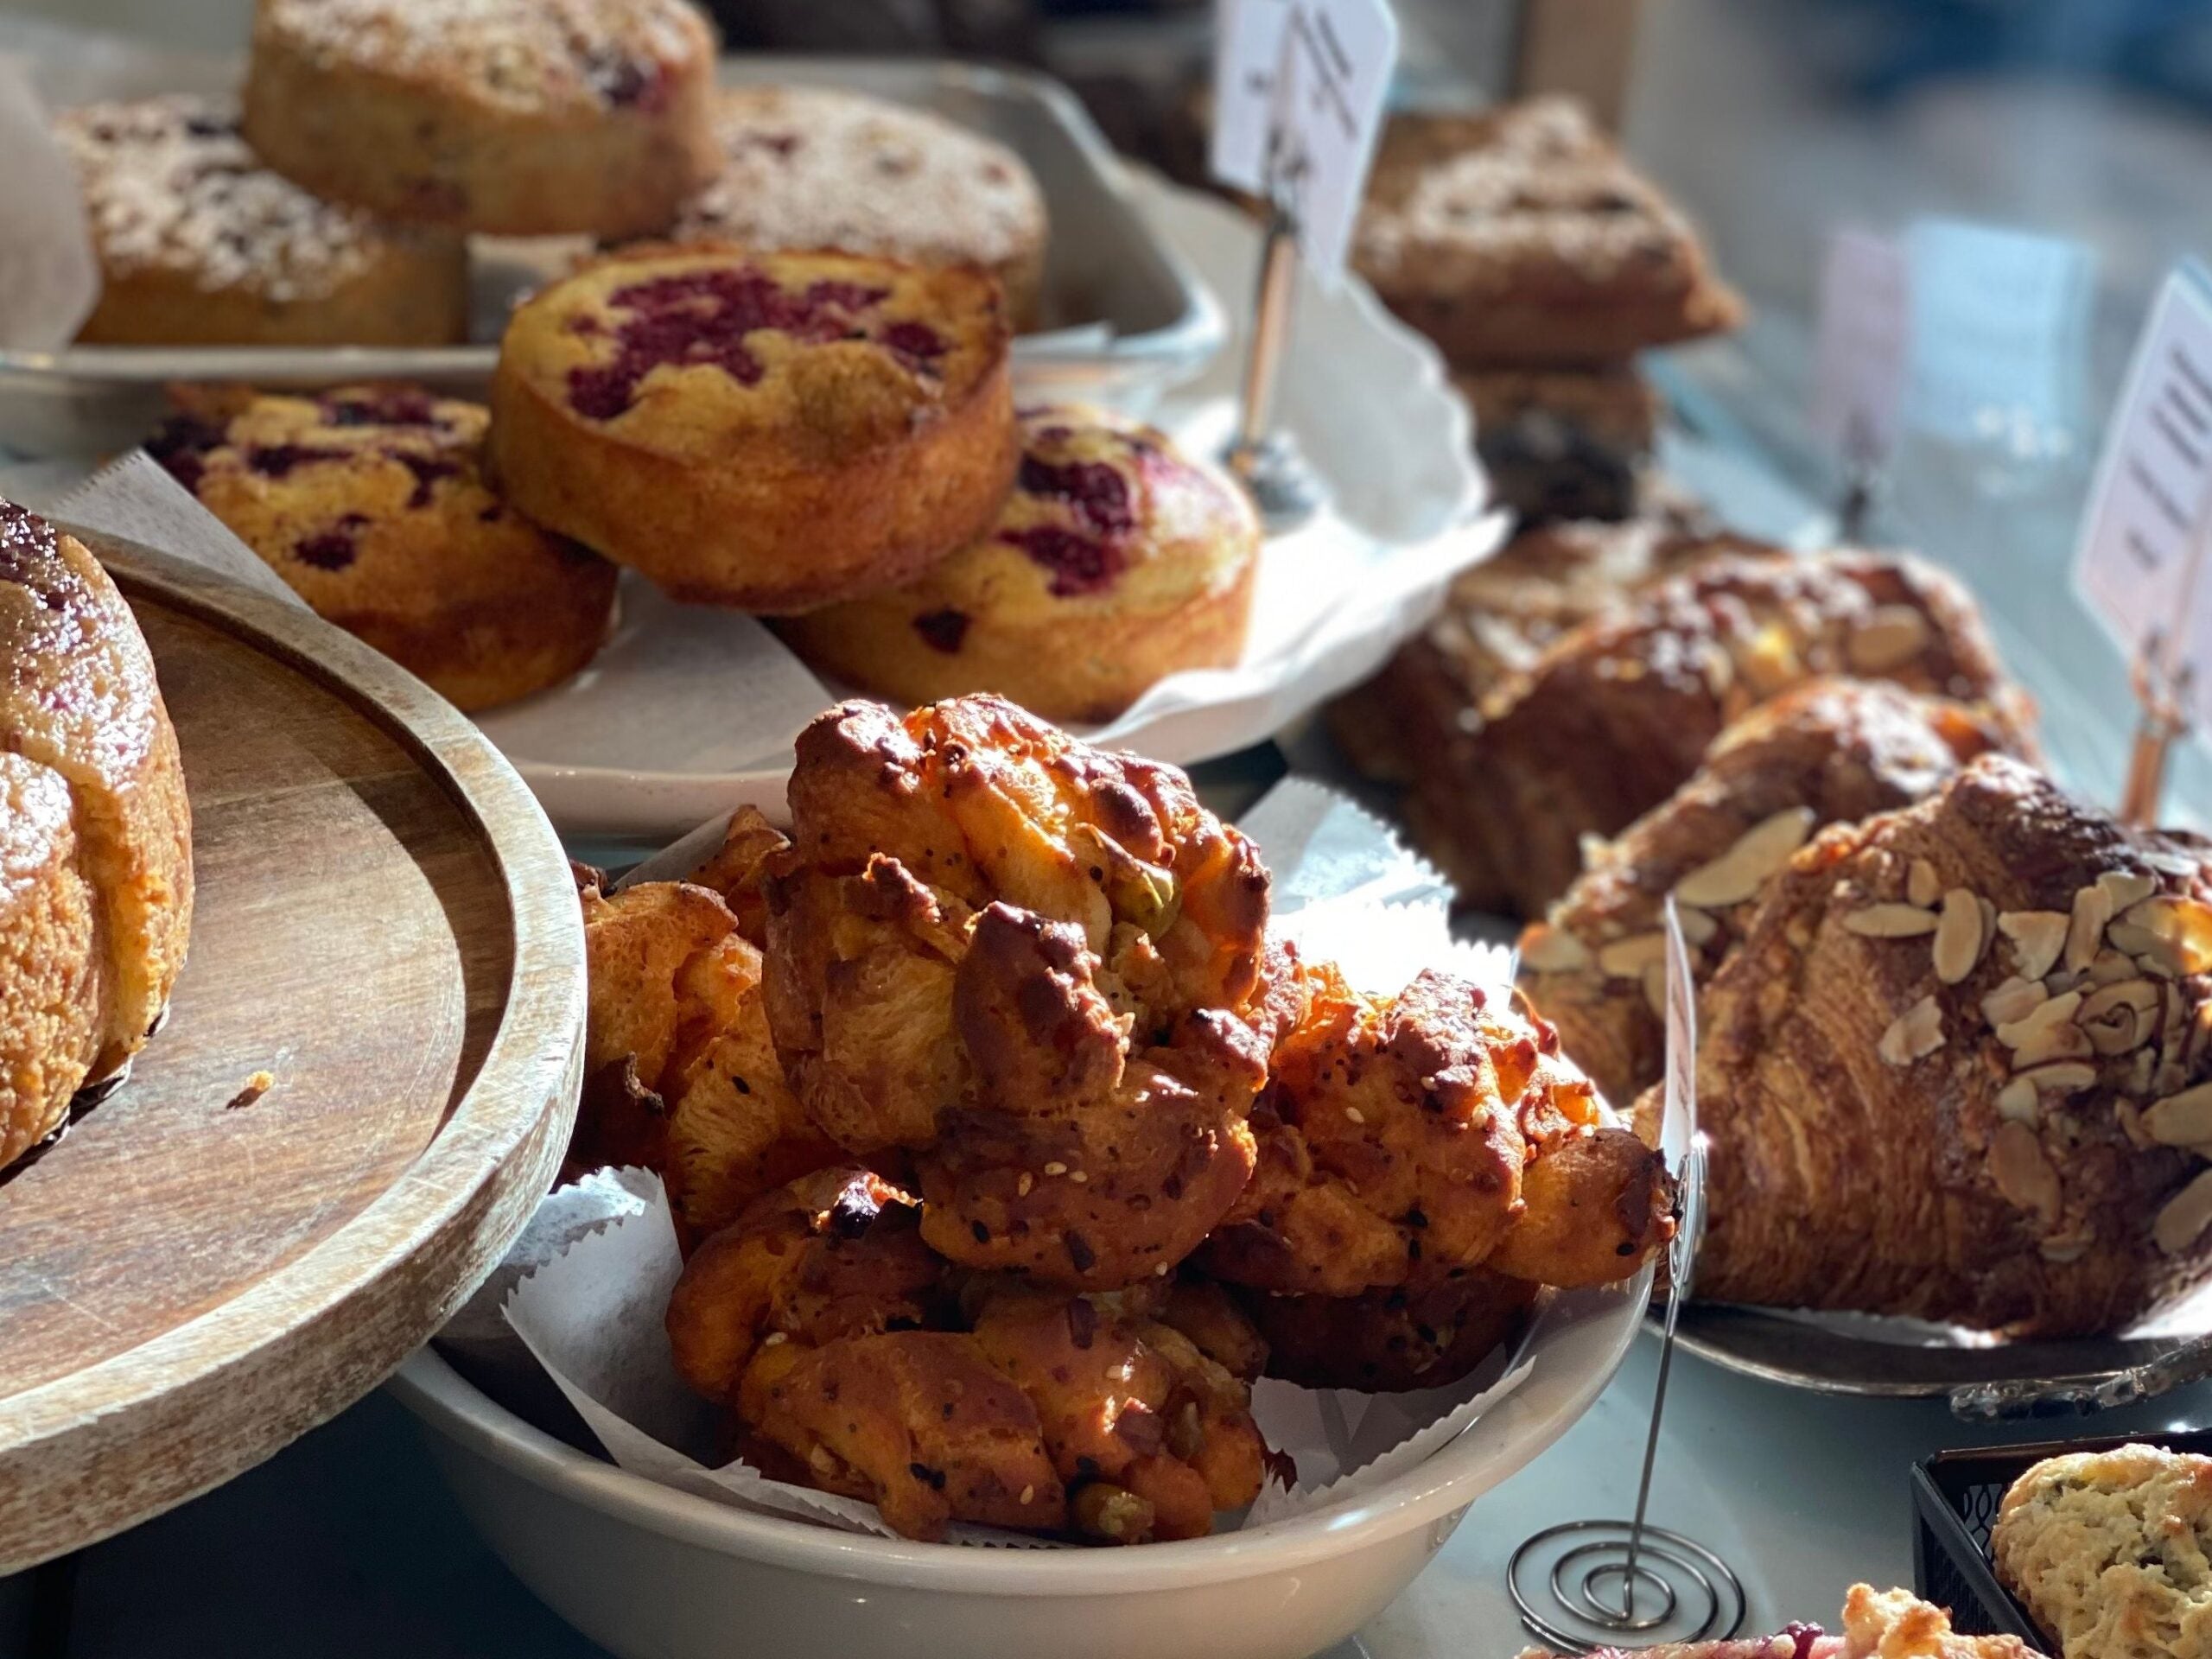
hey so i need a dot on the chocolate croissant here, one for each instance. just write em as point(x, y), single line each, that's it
point(1827, 752)
point(1616, 714)
point(1958, 1068)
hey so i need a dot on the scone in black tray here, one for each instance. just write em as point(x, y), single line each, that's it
point(1980, 1376)
point(1955, 1499)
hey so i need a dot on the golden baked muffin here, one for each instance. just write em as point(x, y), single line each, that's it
point(1992, 1105)
point(814, 167)
point(1403, 1142)
point(518, 118)
point(1115, 562)
point(96, 844)
point(1035, 965)
point(1877, 1625)
point(1827, 752)
point(767, 431)
point(369, 501)
point(2111, 1552)
point(1521, 238)
point(201, 245)
point(1615, 714)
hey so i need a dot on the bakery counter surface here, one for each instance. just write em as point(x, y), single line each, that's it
point(347, 1546)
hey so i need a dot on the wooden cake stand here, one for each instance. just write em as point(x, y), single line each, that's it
point(189, 1277)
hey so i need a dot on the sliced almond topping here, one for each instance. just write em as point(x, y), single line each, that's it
point(2139, 1068)
point(1654, 988)
point(2111, 967)
point(2131, 1125)
point(2023, 1174)
point(1958, 937)
point(2018, 1102)
point(2085, 931)
point(2127, 887)
point(2015, 1000)
point(2185, 1217)
point(2059, 1042)
point(2181, 1120)
point(2184, 924)
point(1698, 926)
point(1891, 921)
point(2120, 1018)
point(2046, 1016)
point(2126, 936)
point(2065, 1251)
point(2037, 937)
point(2166, 863)
point(1548, 949)
point(1757, 852)
point(1918, 1032)
point(1890, 635)
point(1627, 958)
point(2060, 1077)
point(1921, 884)
point(1768, 659)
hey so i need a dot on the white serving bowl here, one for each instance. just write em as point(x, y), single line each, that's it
point(651, 1572)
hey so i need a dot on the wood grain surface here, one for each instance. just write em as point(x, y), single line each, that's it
point(386, 925)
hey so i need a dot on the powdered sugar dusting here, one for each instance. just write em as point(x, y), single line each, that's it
point(521, 54)
point(809, 168)
point(169, 186)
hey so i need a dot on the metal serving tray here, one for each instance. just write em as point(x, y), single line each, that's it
point(1125, 316)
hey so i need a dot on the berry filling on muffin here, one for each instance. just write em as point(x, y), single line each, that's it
point(707, 316)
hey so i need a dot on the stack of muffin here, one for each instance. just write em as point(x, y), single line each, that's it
point(1540, 263)
point(781, 387)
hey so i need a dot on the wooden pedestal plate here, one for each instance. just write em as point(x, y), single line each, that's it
point(386, 925)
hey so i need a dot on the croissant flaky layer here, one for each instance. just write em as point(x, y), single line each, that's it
point(95, 831)
point(1827, 752)
point(1958, 1068)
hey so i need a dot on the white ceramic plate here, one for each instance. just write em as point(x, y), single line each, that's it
point(676, 721)
point(645, 1570)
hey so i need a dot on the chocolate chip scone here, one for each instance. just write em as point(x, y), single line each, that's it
point(768, 431)
point(1520, 238)
point(1961, 1068)
point(816, 167)
point(518, 118)
point(371, 502)
point(1827, 752)
point(200, 243)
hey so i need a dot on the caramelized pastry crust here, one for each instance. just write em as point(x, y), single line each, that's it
point(1827, 752)
point(1958, 1070)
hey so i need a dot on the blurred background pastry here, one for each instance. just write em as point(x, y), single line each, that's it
point(201, 245)
point(371, 502)
point(1116, 561)
point(524, 118)
point(813, 166)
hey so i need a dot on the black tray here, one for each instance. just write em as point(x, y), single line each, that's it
point(1955, 1499)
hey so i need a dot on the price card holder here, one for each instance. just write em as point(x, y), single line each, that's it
point(1299, 87)
point(2140, 563)
point(2000, 335)
point(1861, 355)
point(1630, 1577)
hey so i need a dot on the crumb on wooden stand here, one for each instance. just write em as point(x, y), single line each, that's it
point(255, 1086)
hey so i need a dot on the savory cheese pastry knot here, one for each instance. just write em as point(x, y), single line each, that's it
point(1150, 1426)
point(1403, 1142)
point(1035, 965)
point(680, 1075)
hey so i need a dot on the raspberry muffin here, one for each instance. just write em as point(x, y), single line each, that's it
point(807, 166)
point(371, 502)
point(1115, 562)
point(766, 431)
point(522, 117)
point(200, 244)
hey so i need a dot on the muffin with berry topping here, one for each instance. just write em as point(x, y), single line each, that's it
point(761, 430)
point(371, 502)
point(520, 117)
point(812, 167)
point(1115, 562)
point(200, 244)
